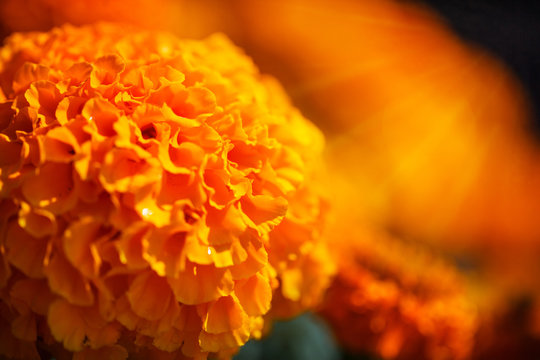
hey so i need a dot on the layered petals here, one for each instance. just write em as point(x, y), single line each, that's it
point(145, 180)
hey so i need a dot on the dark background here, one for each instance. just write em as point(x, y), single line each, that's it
point(510, 30)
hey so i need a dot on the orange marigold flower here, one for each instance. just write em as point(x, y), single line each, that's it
point(154, 195)
point(399, 300)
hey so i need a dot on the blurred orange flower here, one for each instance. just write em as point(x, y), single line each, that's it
point(399, 300)
point(155, 193)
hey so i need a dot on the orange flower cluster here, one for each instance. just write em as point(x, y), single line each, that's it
point(154, 194)
point(400, 301)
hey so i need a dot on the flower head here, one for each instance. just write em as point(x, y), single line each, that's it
point(399, 300)
point(155, 193)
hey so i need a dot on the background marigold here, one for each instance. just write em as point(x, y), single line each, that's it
point(398, 299)
point(155, 194)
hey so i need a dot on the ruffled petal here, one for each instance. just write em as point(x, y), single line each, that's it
point(79, 246)
point(223, 315)
point(66, 324)
point(254, 294)
point(66, 280)
point(201, 283)
point(24, 251)
point(149, 307)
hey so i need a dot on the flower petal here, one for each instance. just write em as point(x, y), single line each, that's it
point(67, 281)
point(201, 283)
point(67, 325)
point(149, 307)
point(254, 294)
point(225, 314)
point(24, 251)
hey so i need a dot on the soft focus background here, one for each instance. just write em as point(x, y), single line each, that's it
point(505, 29)
point(431, 113)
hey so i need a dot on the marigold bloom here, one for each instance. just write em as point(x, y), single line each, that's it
point(399, 300)
point(155, 194)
